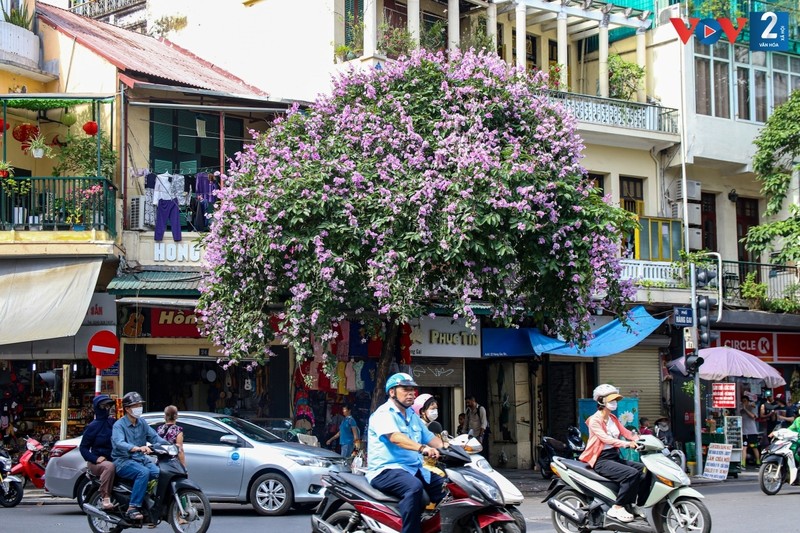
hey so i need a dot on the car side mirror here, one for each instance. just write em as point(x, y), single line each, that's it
point(231, 440)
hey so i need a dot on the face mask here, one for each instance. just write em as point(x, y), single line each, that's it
point(136, 412)
point(433, 414)
point(612, 406)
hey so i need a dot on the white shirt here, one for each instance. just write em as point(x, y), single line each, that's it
point(613, 431)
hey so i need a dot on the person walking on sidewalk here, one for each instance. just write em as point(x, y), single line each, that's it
point(752, 438)
point(96, 447)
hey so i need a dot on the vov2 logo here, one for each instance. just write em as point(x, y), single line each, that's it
point(768, 30)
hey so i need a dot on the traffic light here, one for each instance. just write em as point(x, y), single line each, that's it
point(704, 335)
point(705, 277)
point(693, 362)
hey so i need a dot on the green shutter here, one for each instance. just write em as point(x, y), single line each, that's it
point(162, 128)
point(187, 132)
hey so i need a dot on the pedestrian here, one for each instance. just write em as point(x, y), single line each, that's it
point(477, 423)
point(462, 424)
point(348, 434)
point(96, 447)
point(749, 430)
point(171, 432)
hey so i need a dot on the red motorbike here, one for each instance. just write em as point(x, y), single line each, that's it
point(31, 463)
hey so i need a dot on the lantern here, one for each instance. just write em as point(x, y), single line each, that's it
point(23, 132)
point(90, 128)
point(68, 119)
point(4, 125)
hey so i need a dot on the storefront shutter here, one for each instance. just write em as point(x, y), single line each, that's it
point(635, 372)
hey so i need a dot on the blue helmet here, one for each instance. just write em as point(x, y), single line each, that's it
point(400, 379)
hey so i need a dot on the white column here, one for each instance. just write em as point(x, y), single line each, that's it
point(521, 28)
point(641, 60)
point(561, 43)
point(413, 21)
point(453, 26)
point(370, 27)
point(603, 74)
point(491, 24)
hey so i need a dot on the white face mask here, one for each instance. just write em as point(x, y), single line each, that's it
point(136, 412)
point(611, 406)
point(433, 414)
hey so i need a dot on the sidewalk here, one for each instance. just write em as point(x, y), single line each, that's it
point(34, 496)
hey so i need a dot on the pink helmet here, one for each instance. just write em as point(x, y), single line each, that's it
point(419, 403)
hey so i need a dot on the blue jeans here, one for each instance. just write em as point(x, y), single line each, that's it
point(347, 449)
point(140, 474)
point(400, 483)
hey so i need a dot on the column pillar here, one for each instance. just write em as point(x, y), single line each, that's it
point(370, 27)
point(603, 74)
point(491, 24)
point(641, 60)
point(521, 29)
point(453, 26)
point(413, 21)
point(561, 42)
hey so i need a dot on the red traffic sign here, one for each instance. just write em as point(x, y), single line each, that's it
point(103, 349)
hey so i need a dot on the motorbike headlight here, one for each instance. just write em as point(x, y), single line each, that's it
point(310, 460)
point(484, 465)
point(489, 489)
point(6, 462)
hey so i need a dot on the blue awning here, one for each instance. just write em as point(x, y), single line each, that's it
point(502, 342)
point(610, 339)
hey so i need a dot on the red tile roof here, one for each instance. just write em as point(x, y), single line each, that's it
point(133, 53)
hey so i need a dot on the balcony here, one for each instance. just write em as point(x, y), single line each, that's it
point(19, 48)
point(47, 204)
point(621, 113)
point(779, 283)
point(103, 8)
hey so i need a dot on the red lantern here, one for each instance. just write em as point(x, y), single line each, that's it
point(4, 125)
point(23, 132)
point(90, 128)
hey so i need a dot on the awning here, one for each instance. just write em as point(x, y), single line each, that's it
point(503, 342)
point(610, 339)
point(45, 298)
point(156, 283)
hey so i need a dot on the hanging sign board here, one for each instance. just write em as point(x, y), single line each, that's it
point(723, 395)
point(718, 461)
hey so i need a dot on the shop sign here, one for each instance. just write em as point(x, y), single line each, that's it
point(718, 461)
point(438, 372)
point(177, 252)
point(762, 345)
point(723, 395)
point(159, 322)
point(445, 337)
point(113, 370)
point(788, 347)
point(102, 311)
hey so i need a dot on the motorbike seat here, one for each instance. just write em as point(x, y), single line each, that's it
point(360, 483)
point(558, 446)
point(587, 471)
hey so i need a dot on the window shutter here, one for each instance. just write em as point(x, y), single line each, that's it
point(162, 128)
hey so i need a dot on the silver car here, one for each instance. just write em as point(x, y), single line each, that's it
point(233, 461)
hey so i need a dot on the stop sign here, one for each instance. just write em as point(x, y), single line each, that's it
point(103, 349)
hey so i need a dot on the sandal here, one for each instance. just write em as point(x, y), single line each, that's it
point(107, 505)
point(134, 514)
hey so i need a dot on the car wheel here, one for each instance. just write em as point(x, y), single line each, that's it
point(83, 491)
point(271, 495)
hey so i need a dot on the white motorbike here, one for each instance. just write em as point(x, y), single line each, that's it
point(778, 462)
point(580, 498)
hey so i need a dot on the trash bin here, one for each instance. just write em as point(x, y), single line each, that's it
point(690, 452)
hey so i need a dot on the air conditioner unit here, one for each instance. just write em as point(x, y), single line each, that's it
point(669, 12)
point(695, 239)
point(136, 214)
point(694, 190)
point(695, 210)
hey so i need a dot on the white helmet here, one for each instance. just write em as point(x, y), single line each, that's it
point(601, 391)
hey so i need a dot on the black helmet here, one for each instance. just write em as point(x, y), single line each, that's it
point(131, 398)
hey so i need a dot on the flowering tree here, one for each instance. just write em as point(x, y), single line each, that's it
point(432, 182)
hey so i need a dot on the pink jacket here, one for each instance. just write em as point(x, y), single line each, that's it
point(599, 437)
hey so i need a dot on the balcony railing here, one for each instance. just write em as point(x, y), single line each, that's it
point(612, 112)
point(52, 204)
point(101, 8)
point(652, 273)
point(781, 281)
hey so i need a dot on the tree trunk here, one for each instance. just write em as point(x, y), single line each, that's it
point(387, 356)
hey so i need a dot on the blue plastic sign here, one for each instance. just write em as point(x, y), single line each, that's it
point(683, 316)
point(769, 31)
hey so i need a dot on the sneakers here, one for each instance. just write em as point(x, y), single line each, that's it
point(638, 512)
point(619, 513)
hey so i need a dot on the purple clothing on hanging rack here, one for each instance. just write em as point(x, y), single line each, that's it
point(205, 187)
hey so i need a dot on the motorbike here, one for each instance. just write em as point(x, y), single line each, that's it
point(551, 447)
point(579, 498)
point(173, 498)
point(474, 503)
point(32, 462)
point(10, 486)
point(779, 462)
point(663, 432)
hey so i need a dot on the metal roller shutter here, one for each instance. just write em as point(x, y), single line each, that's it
point(635, 371)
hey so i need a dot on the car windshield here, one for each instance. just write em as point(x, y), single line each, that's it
point(250, 430)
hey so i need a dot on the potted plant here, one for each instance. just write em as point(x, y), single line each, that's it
point(6, 170)
point(38, 147)
point(755, 293)
point(343, 53)
point(78, 157)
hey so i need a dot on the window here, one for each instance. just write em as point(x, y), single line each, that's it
point(177, 144)
point(659, 239)
point(712, 75)
point(198, 431)
point(632, 194)
point(531, 54)
point(353, 15)
point(751, 84)
point(708, 221)
point(599, 182)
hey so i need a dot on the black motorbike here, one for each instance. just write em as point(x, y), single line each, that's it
point(10, 486)
point(550, 447)
point(174, 498)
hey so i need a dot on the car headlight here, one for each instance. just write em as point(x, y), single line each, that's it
point(488, 489)
point(310, 460)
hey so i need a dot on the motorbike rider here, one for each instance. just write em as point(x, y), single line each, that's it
point(129, 439)
point(96, 446)
point(397, 438)
point(602, 454)
point(427, 408)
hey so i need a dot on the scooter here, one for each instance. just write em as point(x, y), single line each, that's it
point(778, 462)
point(580, 498)
point(31, 463)
point(10, 486)
point(174, 498)
point(550, 447)
point(475, 501)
